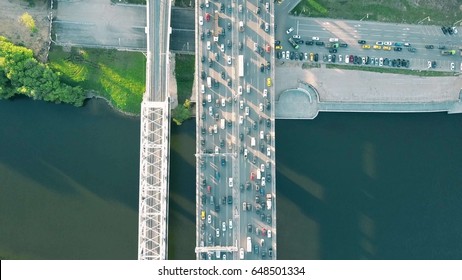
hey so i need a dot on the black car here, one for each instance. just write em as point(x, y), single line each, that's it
point(217, 207)
point(442, 47)
point(230, 199)
point(429, 47)
point(204, 102)
point(249, 228)
point(262, 67)
point(268, 122)
point(203, 130)
point(291, 55)
point(450, 30)
point(309, 43)
point(202, 141)
point(433, 64)
point(203, 75)
point(258, 10)
point(255, 126)
point(296, 55)
point(270, 252)
point(334, 57)
point(268, 65)
point(268, 219)
point(301, 42)
point(319, 43)
point(268, 178)
point(412, 49)
point(222, 74)
point(222, 143)
point(229, 82)
point(223, 200)
point(241, 136)
point(300, 56)
point(203, 199)
point(361, 42)
point(277, 43)
point(343, 45)
point(222, 7)
point(202, 36)
point(445, 31)
point(316, 57)
point(223, 161)
point(397, 49)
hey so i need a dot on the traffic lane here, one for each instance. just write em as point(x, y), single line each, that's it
point(184, 18)
point(182, 40)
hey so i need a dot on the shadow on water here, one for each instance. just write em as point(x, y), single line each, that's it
point(391, 187)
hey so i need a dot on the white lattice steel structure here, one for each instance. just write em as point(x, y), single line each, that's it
point(155, 137)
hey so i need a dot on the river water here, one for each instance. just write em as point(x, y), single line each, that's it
point(349, 186)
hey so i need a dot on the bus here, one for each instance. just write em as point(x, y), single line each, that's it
point(241, 65)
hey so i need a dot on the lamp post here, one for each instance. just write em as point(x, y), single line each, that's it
point(366, 16)
point(426, 18)
point(454, 24)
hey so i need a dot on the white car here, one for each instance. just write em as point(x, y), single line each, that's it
point(283, 55)
point(347, 58)
point(201, 20)
point(223, 102)
point(290, 30)
point(388, 43)
point(241, 104)
point(217, 231)
point(381, 61)
point(209, 219)
point(452, 66)
point(461, 66)
point(268, 233)
point(245, 153)
point(217, 150)
point(223, 226)
point(211, 111)
point(208, 45)
point(261, 107)
point(315, 38)
point(241, 253)
point(241, 119)
point(340, 58)
point(262, 167)
point(222, 47)
point(296, 36)
point(265, 92)
point(379, 43)
point(267, 6)
point(215, 128)
point(230, 181)
point(239, 90)
point(429, 64)
point(209, 98)
point(255, 47)
point(230, 224)
point(247, 111)
point(454, 29)
point(262, 134)
point(229, 60)
point(306, 56)
point(263, 181)
point(240, 8)
point(287, 54)
point(333, 40)
point(268, 151)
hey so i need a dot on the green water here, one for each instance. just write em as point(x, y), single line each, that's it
point(349, 186)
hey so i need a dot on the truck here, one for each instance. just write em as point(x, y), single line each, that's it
point(448, 52)
point(268, 201)
point(209, 82)
point(241, 65)
point(252, 142)
point(241, 26)
point(292, 42)
point(222, 124)
point(249, 244)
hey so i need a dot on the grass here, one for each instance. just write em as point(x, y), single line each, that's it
point(184, 73)
point(421, 73)
point(118, 76)
point(409, 11)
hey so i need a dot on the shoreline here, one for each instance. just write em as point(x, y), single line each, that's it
point(94, 95)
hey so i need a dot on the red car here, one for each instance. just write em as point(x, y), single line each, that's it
point(268, 48)
point(352, 58)
point(209, 189)
point(263, 232)
point(252, 176)
point(207, 17)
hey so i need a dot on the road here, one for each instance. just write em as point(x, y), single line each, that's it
point(182, 38)
point(226, 157)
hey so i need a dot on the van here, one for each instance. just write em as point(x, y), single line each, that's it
point(222, 123)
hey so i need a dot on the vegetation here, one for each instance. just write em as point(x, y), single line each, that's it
point(22, 74)
point(421, 73)
point(29, 22)
point(444, 12)
point(118, 76)
point(184, 73)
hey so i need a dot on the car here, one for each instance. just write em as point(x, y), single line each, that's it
point(361, 42)
point(267, 6)
point(217, 232)
point(223, 161)
point(249, 228)
point(229, 60)
point(316, 57)
point(290, 30)
point(239, 90)
point(445, 31)
point(429, 47)
point(260, 106)
point(217, 207)
point(223, 226)
point(333, 40)
point(363, 60)
point(209, 219)
point(268, 65)
point(343, 45)
point(309, 43)
point(268, 82)
point(201, 20)
point(366, 46)
point(265, 92)
point(319, 43)
point(386, 48)
point(247, 110)
point(329, 58)
point(441, 47)
point(452, 66)
point(352, 58)
point(407, 44)
point(461, 66)
point(278, 47)
point(379, 43)
point(266, 25)
point(263, 181)
point(429, 64)
point(377, 47)
point(454, 30)
point(347, 58)
point(262, 167)
point(283, 55)
point(268, 151)
point(397, 49)
point(262, 68)
point(241, 120)
point(311, 56)
point(315, 38)
point(245, 153)
point(296, 36)
point(388, 43)
point(412, 49)
point(288, 54)
point(208, 45)
point(202, 215)
point(381, 61)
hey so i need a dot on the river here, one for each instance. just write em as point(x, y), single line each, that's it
point(349, 186)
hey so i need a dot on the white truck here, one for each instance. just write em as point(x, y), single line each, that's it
point(249, 244)
point(268, 201)
point(222, 123)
